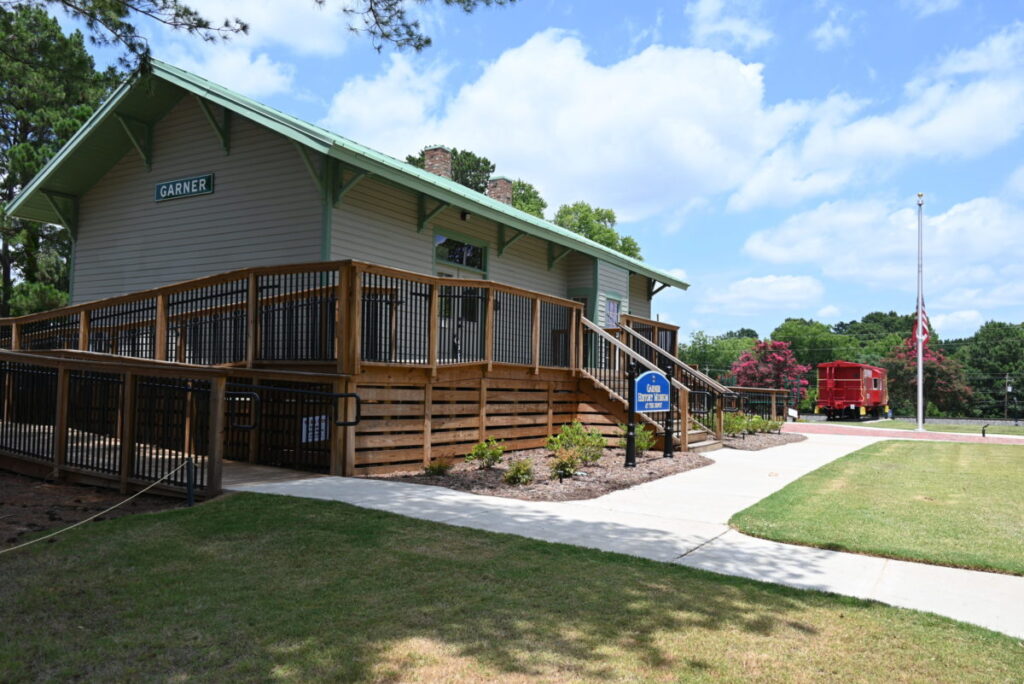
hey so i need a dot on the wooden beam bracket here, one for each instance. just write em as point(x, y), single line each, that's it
point(425, 216)
point(66, 208)
point(141, 134)
point(506, 242)
point(655, 290)
point(554, 258)
point(310, 166)
point(223, 128)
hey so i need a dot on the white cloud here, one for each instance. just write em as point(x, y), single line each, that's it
point(968, 105)
point(1015, 183)
point(645, 135)
point(677, 273)
point(957, 323)
point(829, 312)
point(925, 8)
point(236, 67)
point(765, 293)
point(830, 33)
point(873, 243)
point(722, 23)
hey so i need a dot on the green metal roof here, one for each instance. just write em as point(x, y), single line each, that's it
point(101, 142)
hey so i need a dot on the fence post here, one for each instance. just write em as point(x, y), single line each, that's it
point(489, 330)
point(536, 336)
point(356, 320)
point(573, 324)
point(161, 327)
point(218, 387)
point(15, 336)
point(339, 440)
point(60, 422)
point(127, 429)
point(719, 416)
point(341, 340)
point(84, 326)
point(251, 320)
point(684, 419)
point(434, 319)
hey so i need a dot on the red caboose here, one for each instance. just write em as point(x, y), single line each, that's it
point(851, 390)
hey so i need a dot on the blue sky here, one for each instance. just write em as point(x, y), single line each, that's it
point(770, 151)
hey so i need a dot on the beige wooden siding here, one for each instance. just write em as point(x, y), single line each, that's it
point(376, 222)
point(639, 304)
point(264, 210)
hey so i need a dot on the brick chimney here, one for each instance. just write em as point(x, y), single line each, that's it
point(437, 159)
point(500, 188)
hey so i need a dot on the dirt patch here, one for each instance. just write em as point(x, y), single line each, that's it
point(607, 475)
point(29, 505)
point(762, 440)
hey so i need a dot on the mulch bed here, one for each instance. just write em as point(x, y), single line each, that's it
point(607, 475)
point(30, 505)
point(762, 440)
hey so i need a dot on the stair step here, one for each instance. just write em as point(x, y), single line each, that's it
point(706, 445)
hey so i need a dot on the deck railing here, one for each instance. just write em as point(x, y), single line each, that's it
point(605, 360)
point(343, 313)
point(134, 422)
point(708, 398)
point(770, 404)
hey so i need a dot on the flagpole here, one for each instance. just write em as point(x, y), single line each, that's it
point(920, 306)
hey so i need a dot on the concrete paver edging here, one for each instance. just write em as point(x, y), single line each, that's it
point(684, 518)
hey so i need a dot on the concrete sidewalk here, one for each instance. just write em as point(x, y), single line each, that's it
point(683, 519)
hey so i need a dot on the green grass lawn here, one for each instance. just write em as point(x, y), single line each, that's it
point(258, 587)
point(945, 503)
point(949, 427)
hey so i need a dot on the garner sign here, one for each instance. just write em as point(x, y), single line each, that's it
point(184, 187)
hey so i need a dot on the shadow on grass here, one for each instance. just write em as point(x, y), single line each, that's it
point(254, 586)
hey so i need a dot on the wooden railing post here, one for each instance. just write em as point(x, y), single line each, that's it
point(684, 418)
point(489, 330)
point(536, 336)
point(60, 422)
point(341, 340)
point(127, 429)
point(356, 320)
point(434, 318)
point(428, 415)
point(84, 327)
point(251, 320)
point(161, 327)
point(719, 416)
point(215, 459)
point(15, 336)
point(573, 325)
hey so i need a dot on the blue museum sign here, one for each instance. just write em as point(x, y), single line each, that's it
point(653, 392)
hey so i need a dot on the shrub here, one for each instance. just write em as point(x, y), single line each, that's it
point(588, 444)
point(566, 463)
point(774, 426)
point(734, 423)
point(520, 472)
point(439, 467)
point(487, 454)
point(644, 437)
point(757, 424)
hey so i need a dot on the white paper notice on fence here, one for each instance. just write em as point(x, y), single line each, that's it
point(315, 429)
point(793, 413)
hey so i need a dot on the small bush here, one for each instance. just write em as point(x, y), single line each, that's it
point(734, 423)
point(565, 464)
point(520, 472)
point(487, 454)
point(439, 467)
point(757, 424)
point(644, 437)
point(774, 426)
point(588, 444)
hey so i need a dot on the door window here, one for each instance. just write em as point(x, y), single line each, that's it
point(611, 313)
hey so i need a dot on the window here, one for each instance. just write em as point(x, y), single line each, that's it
point(453, 251)
point(876, 383)
point(611, 313)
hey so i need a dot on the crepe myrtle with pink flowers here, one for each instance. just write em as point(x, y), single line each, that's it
point(771, 364)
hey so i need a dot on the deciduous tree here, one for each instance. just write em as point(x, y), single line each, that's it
point(468, 168)
point(771, 364)
point(945, 384)
point(526, 198)
point(597, 224)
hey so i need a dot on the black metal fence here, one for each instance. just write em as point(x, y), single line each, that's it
point(125, 329)
point(297, 315)
point(29, 409)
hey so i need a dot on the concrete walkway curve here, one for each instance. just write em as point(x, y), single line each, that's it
point(683, 519)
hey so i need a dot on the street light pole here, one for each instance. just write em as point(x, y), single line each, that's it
point(920, 306)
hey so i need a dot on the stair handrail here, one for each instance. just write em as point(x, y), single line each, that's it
point(687, 369)
point(629, 352)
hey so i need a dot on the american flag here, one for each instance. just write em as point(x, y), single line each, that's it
point(922, 325)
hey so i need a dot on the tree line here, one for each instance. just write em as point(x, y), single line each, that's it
point(963, 377)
